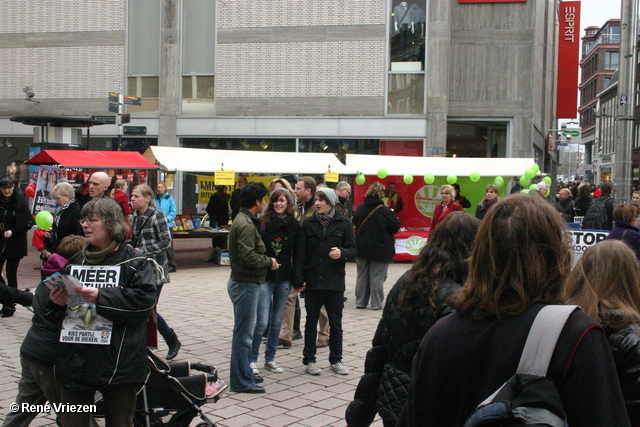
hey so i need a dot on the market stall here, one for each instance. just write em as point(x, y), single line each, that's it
point(418, 181)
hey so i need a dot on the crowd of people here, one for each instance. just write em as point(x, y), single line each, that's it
point(452, 328)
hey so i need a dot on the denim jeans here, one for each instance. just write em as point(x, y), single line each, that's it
point(244, 296)
point(334, 303)
point(271, 302)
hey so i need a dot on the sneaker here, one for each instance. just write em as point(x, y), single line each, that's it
point(339, 368)
point(313, 369)
point(254, 367)
point(273, 367)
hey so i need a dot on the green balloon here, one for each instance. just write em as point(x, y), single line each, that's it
point(382, 174)
point(474, 177)
point(360, 179)
point(44, 220)
point(533, 187)
point(408, 179)
point(451, 179)
point(529, 173)
point(524, 181)
point(429, 178)
point(535, 167)
point(547, 179)
point(498, 181)
point(526, 190)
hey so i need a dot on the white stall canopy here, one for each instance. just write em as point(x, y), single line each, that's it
point(176, 159)
point(438, 166)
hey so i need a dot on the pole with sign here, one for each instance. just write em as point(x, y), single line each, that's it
point(122, 118)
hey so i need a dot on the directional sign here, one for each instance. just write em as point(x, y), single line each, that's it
point(132, 100)
point(571, 133)
point(113, 107)
point(107, 120)
point(126, 118)
point(135, 130)
point(113, 97)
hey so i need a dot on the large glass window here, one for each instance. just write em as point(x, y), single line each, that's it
point(143, 54)
point(198, 56)
point(406, 94)
point(612, 59)
point(477, 139)
point(246, 144)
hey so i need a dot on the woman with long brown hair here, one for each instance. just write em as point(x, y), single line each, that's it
point(416, 302)
point(519, 264)
point(605, 284)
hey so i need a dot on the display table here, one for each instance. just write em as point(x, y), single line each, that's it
point(204, 232)
point(409, 243)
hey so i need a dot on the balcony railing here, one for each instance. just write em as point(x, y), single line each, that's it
point(603, 39)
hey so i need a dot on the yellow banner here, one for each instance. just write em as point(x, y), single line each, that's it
point(225, 177)
point(206, 188)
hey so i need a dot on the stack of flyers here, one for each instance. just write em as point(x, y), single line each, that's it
point(68, 282)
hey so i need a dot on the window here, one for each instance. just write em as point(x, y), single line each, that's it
point(477, 139)
point(612, 60)
point(198, 56)
point(407, 32)
point(143, 60)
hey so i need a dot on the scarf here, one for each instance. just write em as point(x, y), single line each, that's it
point(325, 219)
point(56, 220)
point(489, 203)
point(96, 257)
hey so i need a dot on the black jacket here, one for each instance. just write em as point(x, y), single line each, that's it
point(580, 206)
point(286, 229)
point(385, 384)
point(625, 346)
point(374, 240)
point(315, 267)
point(14, 216)
point(566, 209)
point(124, 360)
point(67, 222)
point(41, 343)
point(218, 210)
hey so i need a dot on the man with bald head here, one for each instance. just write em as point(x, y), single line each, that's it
point(98, 184)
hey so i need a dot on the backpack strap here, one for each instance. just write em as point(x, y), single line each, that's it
point(542, 339)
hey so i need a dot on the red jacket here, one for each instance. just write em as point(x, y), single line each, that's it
point(439, 213)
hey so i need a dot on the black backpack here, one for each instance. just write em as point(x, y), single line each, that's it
point(596, 217)
point(529, 398)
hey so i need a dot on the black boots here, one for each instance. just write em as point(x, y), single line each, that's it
point(296, 325)
point(174, 345)
point(8, 310)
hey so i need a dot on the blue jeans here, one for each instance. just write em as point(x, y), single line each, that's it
point(244, 296)
point(271, 303)
point(334, 303)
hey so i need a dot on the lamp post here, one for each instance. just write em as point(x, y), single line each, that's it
point(624, 113)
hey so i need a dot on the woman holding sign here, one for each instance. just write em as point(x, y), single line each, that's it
point(104, 321)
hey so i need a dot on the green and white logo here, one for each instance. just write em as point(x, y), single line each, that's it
point(414, 244)
point(426, 199)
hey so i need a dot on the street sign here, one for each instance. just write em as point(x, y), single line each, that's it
point(126, 118)
point(113, 107)
point(571, 133)
point(113, 97)
point(135, 130)
point(107, 120)
point(132, 100)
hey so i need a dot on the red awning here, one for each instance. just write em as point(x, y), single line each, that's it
point(92, 159)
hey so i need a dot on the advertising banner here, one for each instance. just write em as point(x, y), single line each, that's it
point(47, 178)
point(568, 60)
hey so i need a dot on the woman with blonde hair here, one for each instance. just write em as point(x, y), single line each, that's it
point(490, 198)
point(604, 283)
point(625, 219)
point(519, 264)
point(448, 205)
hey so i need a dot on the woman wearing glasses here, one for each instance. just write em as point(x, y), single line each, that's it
point(104, 331)
point(448, 205)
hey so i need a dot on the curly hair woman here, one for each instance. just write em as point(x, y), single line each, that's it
point(416, 302)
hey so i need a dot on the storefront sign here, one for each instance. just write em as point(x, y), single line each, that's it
point(568, 60)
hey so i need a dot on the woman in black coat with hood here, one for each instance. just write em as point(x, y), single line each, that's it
point(15, 221)
point(375, 226)
point(67, 219)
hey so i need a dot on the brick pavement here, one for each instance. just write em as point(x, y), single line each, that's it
point(197, 306)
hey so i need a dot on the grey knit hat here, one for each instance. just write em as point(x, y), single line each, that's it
point(331, 195)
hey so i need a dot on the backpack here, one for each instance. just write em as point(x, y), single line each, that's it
point(529, 398)
point(596, 217)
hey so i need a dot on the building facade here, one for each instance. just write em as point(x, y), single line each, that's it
point(420, 78)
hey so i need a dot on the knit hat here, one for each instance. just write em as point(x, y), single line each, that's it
point(331, 195)
point(286, 192)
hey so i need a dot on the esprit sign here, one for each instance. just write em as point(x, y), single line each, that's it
point(568, 60)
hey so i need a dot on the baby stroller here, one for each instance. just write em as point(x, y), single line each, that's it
point(172, 397)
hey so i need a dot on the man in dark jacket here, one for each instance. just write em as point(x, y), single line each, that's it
point(249, 266)
point(565, 204)
point(375, 226)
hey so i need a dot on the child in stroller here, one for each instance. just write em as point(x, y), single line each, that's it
point(172, 397)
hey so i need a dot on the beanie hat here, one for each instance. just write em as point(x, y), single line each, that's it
point(286, 192)
point(331, 195)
